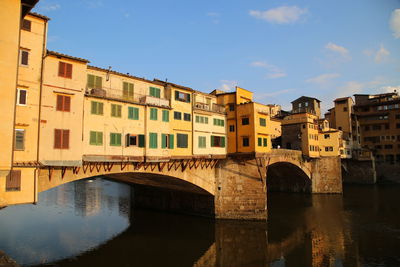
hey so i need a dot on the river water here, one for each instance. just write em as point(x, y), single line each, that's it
point(94, 223)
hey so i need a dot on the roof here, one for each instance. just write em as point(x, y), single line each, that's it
point(174, 85)
point(26, 6)
point(305, 97)
point(34, 14)
point(341, 99)
point(121, 74)
point(56, 54)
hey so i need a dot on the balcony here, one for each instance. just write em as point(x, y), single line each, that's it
point(213, 108)
point(154, 101)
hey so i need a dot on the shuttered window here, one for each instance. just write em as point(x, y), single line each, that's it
point(186, 116)
point(133, 113)
point(13, 181)
point(177, 115)
point(165, 115)
point(245, 121)
point(153, 140)
point(164, 140)
point(94, 81)
point(116, 110)
point(97, 108)
point(171, 141)
point(202, 142)
point(265, 142)
point(202, 119)
point(182, 140)
point(154, 91)
point(127, 91)
point(24, 58)
point(21, 97)
point(142, 141)
point(115, 139)
point(65, 70)
point(61, 139)
point(259, 141)
point(245, 141)
point(19, 143)
point(183, 97)
point(217, 141)
point(26, 25)
point(219, 122)
point(263, 122)
point(96, 138)
point(153, 114)
point(63, 103)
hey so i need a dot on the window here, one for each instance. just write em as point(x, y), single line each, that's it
point(345, 109)
point(115, 139)
point(131, 140)
point(21, 97)
point(165, 115)
point(19, 143)
point(127, 91)
point(64, 70)
point(231, 128)
point(217, 141)
point(327, 136)
point(177, 115)
point(263, 122)
point(153, 114)
point(171, 141)
point(245, 121)
point(13, 181)
point(231, 107)
point(219, 122)
point(398, 125)
point(142, 141)
point(96, 138)
point(202, 119)
point(259, 141)
point(26, 25)
point(24, 58)
point(97, 108)
point(245, 141)
point(183, 97)
point(153, 140)
point(63, 103)
point(155, 92)
point(182, 140)
point(116, 110)
point(202, 142)
point(265, 142)
point(186, 116)
point(133, 113)
point(165, 140)
point(61, 139)
point(94, 81)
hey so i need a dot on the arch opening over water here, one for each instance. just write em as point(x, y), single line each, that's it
point(287, 177)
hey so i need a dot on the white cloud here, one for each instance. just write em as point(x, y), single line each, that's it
point(323, 79)
point(390, 89)
point(274, 72)
point(49, 7)
point(227, 85)
point(381, 54)
point(280, 15)
point(337, 49)
point(395, 23)
point(275, 93)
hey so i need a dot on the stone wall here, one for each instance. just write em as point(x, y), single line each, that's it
point(240, 192)
point(358, 172)
point(387, 172)
point(327, 175)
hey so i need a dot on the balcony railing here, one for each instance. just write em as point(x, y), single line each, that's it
point(135, 97)
point(213, 108)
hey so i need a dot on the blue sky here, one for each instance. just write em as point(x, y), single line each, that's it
point(280, 50)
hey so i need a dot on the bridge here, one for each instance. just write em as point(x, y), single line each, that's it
point(227, 188)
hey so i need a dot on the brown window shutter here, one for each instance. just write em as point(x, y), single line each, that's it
point(26, 25)
point(57, 138)
point(13, 181)
point(67, 103)
point(59, 103)
point(65, 139)
point(68, 73)
point(61, 69)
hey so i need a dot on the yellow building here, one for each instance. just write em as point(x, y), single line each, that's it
point(12, 13)
point(209, 126)
point(126, 118)
point(330, 141)
point(300, 132)
point(247, 122)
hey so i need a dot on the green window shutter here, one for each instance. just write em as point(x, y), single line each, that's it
point(118, 139)
point(171, 141)
point(206, 120)
point(212, 140)
point(99, 138)
point(153, 140)
point(222, 123)
point(130, 113)
point(135, 113)
point(153, 114)
point(223, 141)
point(158, 92)
point(259, 141)
point(176, 95)
point(93, 137)
point(200, 142)
point(188, 98)
point(90, 81)
point(119, 111)
point(215, 121)
point(141, 140)
point(112, 139)
point(197, 119)
point(165, 115)
point(99, 82)
point(94, 108)
point(151, 91)
point(265, 141)
point(113, 110)
point(100, 108)
point(163, 141)
point(263, 122)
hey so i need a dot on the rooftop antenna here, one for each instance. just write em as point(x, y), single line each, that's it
point(108, 73)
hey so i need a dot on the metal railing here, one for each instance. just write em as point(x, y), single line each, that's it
point(207, 107)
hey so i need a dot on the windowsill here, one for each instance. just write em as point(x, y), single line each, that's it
point(21, 105)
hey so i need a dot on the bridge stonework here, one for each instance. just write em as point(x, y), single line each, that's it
point(237, 185)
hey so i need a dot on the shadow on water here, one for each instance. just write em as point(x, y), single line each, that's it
point(94, 224)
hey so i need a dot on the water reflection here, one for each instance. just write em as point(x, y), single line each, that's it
point(93, 224)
